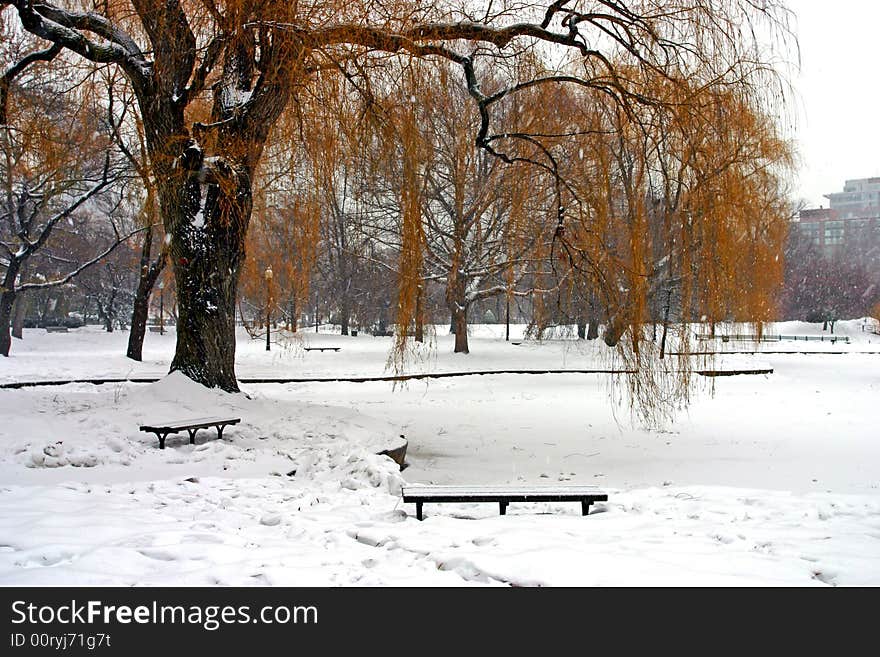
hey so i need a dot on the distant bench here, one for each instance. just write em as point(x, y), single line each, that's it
point(192, 426)
point(503, 495)
point(322, 348)
point(156, 329)
point(56, 329)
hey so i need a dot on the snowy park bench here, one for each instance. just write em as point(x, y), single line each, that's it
point(56, 329)
point(322, 348)
point(192, 426)
point(503, 495)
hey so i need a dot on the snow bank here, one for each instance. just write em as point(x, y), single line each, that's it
point(83, 426)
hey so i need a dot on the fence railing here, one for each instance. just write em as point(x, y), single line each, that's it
point(739, 337)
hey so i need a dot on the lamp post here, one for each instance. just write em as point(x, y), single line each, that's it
point(162, 308)
point(268, 303)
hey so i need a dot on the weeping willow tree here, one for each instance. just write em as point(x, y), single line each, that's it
point(212, 80)
point(679, 216)
point(459, 218)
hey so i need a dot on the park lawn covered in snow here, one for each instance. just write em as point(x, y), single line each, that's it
point(772, 480)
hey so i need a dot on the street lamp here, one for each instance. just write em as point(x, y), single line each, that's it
point(162, 308)
point(268, 303)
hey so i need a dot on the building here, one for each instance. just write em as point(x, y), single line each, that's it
point(832, 259)
point(859, 199)
point(850, 226)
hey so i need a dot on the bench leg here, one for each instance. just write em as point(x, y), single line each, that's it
point(503, 507)
point(585, 507)
point(220, 428)
point(161, 437)
point(192, 436)
point(418, 510)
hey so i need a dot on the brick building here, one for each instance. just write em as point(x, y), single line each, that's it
point(850, 226)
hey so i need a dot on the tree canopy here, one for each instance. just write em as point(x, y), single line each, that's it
point(654, 124)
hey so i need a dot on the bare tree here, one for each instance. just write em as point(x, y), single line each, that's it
point(54, 165)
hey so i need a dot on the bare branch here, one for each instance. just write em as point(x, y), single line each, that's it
point(76, 272)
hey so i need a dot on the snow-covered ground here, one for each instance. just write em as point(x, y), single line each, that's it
point(770, 480)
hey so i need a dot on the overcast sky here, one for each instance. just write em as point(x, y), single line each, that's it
point(838, 94)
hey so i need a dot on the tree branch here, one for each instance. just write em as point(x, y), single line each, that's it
point(76, 272)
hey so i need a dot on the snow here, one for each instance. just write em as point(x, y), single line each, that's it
point(771, 480)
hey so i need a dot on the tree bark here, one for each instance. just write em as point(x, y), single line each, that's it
point(208, 229)
point(140, 313)
point(666, 310)
point(106, 312)
point(139, 316)
point(18, 311)
point(420, 323)
point(293, 318)
point(614, 331)
point(458, 306)
point(459, 321)
point(344, 317)
point(592, 328)
point(7, 299)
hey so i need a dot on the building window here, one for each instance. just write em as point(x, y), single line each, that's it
point(833, 232)
point(810, 231)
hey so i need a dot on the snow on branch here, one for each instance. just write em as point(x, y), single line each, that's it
point(76, 272)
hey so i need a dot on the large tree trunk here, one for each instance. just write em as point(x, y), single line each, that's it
point(206, 198)
point(205, 349)
point(208, 229)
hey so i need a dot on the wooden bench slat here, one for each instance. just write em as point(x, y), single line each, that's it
point(504, 495)
point(524, 497)
point(420, 491)
point(192, 426)
point(199, 422)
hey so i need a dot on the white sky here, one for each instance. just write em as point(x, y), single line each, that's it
point(838, 94)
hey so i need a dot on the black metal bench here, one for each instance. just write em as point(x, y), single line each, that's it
point(503, 495)
point(322, 348)
point(56, 329)
point(191, 426)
